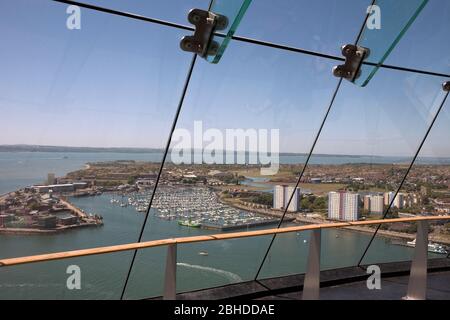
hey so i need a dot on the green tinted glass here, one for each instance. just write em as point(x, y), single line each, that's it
point(388, 21)
point(234, 10)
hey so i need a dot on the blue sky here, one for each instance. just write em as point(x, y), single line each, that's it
point(116, 82)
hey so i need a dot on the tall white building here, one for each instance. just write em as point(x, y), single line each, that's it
point(278, 197)
point(388, 196)
point(343, 206)
point(334, 205)
point(376, 204)
point(399, 201)
point(294, 206)
point(351, 208)
point(367, 202)
point(281, 196)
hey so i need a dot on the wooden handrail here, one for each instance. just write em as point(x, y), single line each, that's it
point(221, 236)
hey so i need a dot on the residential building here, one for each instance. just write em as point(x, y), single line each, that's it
point(343, 206)
point(281, 196)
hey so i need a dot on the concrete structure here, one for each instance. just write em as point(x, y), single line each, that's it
point(80, 185)
point(47, 222)
point(66, 187)
point(5, 218)
point(376, 204)
point(367, 203)
point(334, 199)
point(388, 196)
point(343, 206)
point(278, 197)
point(294, 206)
point(67, 220)
point(281, 196)
point(51, 179)
point(373, 203)
point(335, 284)
point(399, 201)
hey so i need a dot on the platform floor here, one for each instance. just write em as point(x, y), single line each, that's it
point(391, 289)
point(337, 284)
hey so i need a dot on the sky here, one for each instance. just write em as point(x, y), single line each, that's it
point(116, 82)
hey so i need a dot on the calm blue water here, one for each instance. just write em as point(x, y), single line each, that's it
point(103, 276)
point(19, 169)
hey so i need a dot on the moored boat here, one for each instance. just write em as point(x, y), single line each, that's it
point(432, 247)
point(189, 223)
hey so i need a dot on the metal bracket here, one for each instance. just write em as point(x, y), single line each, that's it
point(354, 56)
point(206, 22)
point(446, 86)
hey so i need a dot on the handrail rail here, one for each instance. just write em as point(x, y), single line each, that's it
point(193, 239)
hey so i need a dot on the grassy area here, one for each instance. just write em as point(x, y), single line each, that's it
point(322, 188)
point(284, 173)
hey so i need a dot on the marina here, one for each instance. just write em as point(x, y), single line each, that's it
point(195, 207)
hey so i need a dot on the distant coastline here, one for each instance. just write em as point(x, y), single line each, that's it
point(135, 150)
point(41, 148)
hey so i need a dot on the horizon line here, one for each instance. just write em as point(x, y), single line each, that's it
point(193, 149)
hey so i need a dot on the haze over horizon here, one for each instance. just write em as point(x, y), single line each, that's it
point(103, 86)
point(77, 149)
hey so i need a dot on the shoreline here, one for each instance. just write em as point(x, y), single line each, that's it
point(304, 220)
point(30, 231)
point(264, 212)
point(84, 220)
point(384, 233)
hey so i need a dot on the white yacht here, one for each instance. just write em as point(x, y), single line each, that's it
point(432, 247)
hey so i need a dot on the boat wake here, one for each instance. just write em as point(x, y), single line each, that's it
point(226, 274)
point(32, 285)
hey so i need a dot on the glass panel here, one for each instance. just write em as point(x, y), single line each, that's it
point(234, 10)
point(101, 278)
point(425, 192)
point(288, 255)
point(320, 25)
point(169, 10)
point(422, 47)
point(380, 37)
point(199, 265)
point(147, 279)
point(365, 147)
point(255, 90)
point(89, 110)
point(226, 262)
point(80, 109)
point(396, 242)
